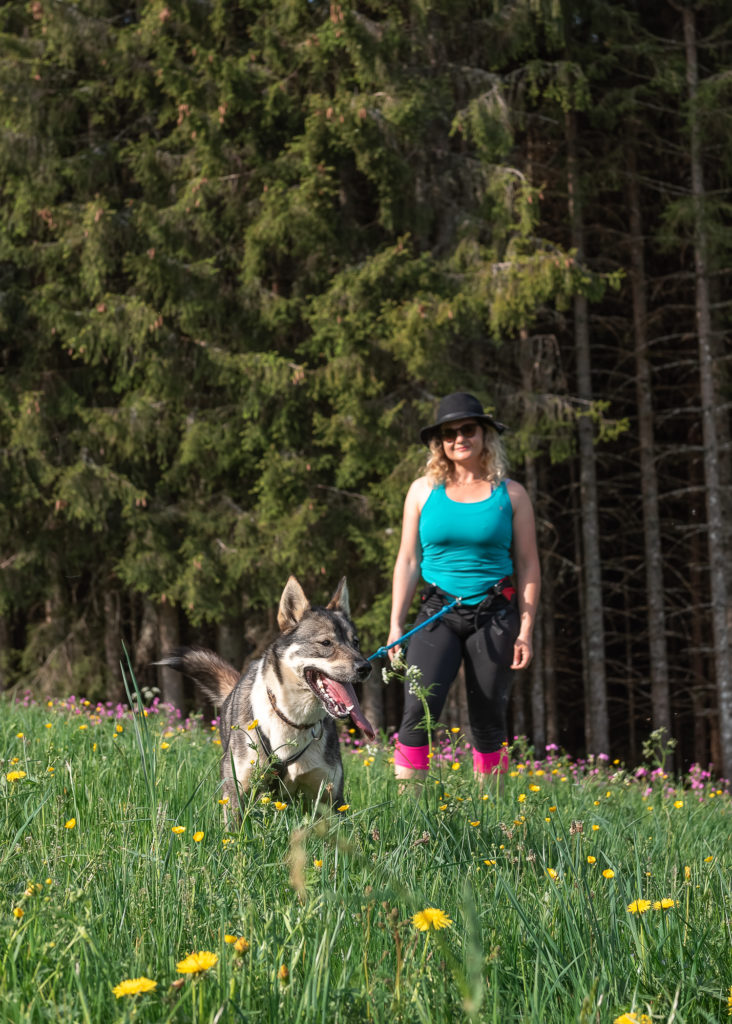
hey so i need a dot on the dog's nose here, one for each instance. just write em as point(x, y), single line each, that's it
point(364, 670)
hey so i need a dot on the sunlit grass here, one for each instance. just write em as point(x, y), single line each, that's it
point(578, 893)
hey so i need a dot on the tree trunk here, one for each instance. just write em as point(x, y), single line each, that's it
point(548, 642)
point(594, 629)
point(715, 524)
point(146, 645)
point(660, 699)
point(230, 643)
point(169, 681)
point(372, 699)
point(112, 642)
point(4, 653)
point(536, 671)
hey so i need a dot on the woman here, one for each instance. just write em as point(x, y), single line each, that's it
point(468, 529)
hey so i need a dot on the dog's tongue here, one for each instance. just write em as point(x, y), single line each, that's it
point(345, 693)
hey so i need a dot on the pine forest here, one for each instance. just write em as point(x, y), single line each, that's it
point(247, 245)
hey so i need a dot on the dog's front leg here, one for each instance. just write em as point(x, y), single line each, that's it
point(237, 769)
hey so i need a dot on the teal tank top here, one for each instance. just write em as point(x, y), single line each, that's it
point(466, 548)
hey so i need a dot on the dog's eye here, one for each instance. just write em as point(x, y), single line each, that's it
point(325, 643)
point(355, 643)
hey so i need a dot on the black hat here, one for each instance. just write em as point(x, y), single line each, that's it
point(459, 406)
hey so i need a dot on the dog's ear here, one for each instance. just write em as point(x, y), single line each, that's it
point(339, 601)
point(293, 605)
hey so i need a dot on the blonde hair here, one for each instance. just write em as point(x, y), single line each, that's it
point(493, 462)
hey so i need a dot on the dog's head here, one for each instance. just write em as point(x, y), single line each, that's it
point(319, 646)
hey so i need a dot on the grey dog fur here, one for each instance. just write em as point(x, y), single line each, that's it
point(318, 639)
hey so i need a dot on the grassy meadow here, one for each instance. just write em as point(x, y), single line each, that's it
point(580, 892)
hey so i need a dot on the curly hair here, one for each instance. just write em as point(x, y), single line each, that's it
point(493, 463)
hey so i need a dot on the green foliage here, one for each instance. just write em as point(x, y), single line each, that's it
point(244, 246)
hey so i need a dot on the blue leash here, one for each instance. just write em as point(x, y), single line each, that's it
point(382, 650)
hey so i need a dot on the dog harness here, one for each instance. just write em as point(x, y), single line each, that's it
point(278, 764)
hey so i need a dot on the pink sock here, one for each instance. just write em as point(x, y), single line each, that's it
point(494, 762)
point(411, 757)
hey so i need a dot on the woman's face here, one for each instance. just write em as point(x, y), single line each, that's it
point(462, 440)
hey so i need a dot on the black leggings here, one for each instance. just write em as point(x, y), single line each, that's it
point(483, 637)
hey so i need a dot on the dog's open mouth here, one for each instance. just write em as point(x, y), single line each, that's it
point(338, 699)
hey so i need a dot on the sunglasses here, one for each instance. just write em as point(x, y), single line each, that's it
point(450, 434)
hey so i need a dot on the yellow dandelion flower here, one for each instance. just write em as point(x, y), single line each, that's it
point(49, 725)
point(14, 760)
point(283, 974)
point(224, 801)
point(51, 769)
point(595, 828)
point(19, 735)
point(164, 746)
point(230, 939)
point(708, 860)
point(443, 807)
point(535, 789)
point(71, 823)
point(14, 776)
point(455, 766)
point(253, 725)
point(552, 809)
point(431, 917)
point(551, 872)
point(317, 862)
point(608, 873)
point(633, 1018)
point(664, 904)
point(118, 728)
point(133, 986)
point(678, 803)
point(241, 945)
point(344, 807)
point(197, 837)
point(475, 823)
point(279, 805)
point(490, 863)
point(82, 727)
point(226, 842)
point(455, 728)
point(195, 963)
point(591, 859)
point(521, 797)
point(639, 906)
point(265, 800)
point(178, 830)
point(18, 912)
point(687, 872)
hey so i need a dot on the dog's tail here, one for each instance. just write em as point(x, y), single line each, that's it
point(216, 677)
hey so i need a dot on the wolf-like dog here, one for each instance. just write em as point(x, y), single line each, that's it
point(278, 719)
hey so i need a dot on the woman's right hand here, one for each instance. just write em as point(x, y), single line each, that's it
point(394, 634)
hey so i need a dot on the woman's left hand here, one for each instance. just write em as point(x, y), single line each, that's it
point(521, 653)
